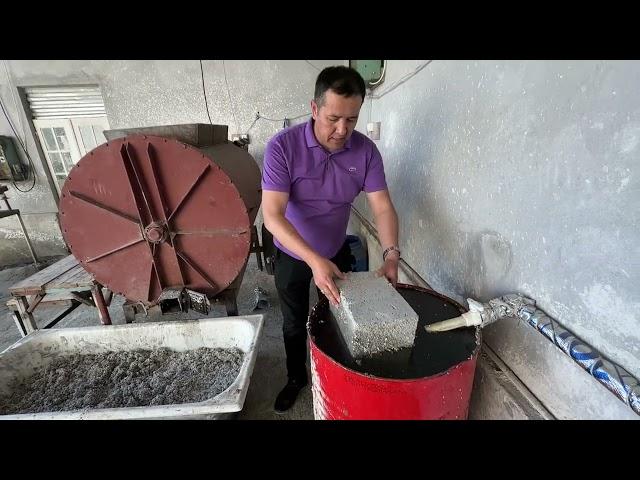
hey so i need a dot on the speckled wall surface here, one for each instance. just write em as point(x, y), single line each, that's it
point(521, 176)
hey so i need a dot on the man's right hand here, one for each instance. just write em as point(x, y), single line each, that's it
point(324, 271)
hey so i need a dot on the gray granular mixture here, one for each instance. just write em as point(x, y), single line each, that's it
point(125, 379)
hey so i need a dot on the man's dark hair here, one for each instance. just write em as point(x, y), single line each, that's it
point(344, 81)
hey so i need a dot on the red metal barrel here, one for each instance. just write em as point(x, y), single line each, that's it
point(342, 393)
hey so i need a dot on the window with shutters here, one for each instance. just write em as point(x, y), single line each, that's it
point(69, 122)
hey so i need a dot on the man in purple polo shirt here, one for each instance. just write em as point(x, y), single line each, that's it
point(311, 175)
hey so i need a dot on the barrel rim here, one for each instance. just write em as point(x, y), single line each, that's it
point(323, 302)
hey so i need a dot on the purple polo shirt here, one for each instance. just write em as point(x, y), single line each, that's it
point(321, 185)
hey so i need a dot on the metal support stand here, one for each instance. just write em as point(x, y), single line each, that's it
point(8, 212)
point(98, 300)
point(256, 247)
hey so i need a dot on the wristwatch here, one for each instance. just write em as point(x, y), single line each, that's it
point(392, 248)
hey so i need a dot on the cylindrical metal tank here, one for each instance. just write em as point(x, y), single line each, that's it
point(144, 213)
point(431, 381)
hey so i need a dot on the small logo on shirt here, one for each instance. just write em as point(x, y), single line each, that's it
point(352, 169)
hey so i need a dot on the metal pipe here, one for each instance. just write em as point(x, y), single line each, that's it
point(409, 272)
point(624, 385)
point(26, 236)
point(98, 299)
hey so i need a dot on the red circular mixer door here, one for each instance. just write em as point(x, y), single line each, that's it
point(145, 213)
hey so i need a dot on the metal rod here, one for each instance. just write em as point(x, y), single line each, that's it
point(151, 157)
point(156, 180)
point(98, 299)
point(151, 271)
point(74, 305)
point(114, 250)
point(143, 190)
point(175, 255)
point(131, 172)
point(405, 266)
point(188, 191)
point(200, 272)
point(126, 162)
point(26, 236)
point(219, 231)
point(155, 266)
point(104, 207)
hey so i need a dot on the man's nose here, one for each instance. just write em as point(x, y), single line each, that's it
point(341, 128)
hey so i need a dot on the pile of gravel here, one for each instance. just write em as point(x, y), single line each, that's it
point(125, 379)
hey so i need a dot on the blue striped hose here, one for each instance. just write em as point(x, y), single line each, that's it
point(624, 385)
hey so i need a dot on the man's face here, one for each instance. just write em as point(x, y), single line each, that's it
point(335, 119)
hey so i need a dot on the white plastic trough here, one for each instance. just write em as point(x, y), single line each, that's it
point(41, 346)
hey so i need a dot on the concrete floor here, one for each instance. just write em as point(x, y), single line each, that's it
point(269, 374)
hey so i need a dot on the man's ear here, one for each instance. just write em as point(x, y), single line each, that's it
point(314, 109)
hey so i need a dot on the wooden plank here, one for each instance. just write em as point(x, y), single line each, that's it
point(59, 302)
point(58, 291)
point(59, 297)
point(62, 279)
point(35, 283)
point(34, 301)
point(85, 278)
point(81, 299)
point(77, 278)
point(53, 271)
point(82, 277)
point(64, 295)
point(19, 324)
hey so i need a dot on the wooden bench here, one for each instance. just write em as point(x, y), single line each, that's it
point(64, 282)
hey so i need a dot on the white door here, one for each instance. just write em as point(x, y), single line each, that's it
point(60, 146)
point(88, 132)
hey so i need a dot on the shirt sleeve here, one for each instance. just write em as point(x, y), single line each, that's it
point(275, 172)
point(374, 179)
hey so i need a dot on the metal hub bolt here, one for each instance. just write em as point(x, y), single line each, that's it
point(155, 233)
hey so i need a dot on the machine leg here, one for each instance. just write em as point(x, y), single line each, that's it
point(255, 247)
point(98, 299)
point(108, 297)
point(231, 304)
point(129, 310)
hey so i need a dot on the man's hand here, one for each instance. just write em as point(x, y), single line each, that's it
point(390, 269)
point(324, 271)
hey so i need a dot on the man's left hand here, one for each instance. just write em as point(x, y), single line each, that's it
point(390, 269)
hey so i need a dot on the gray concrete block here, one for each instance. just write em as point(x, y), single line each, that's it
point(372, 316)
